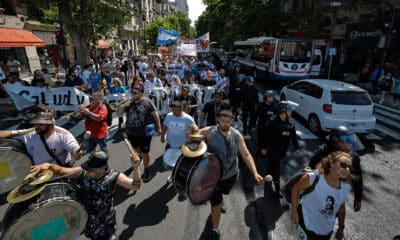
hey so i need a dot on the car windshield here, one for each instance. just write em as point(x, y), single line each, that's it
point(350, 98)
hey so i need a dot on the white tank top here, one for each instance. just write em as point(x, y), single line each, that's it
point(322, 204)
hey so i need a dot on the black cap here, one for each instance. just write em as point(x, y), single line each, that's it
point(97, 162)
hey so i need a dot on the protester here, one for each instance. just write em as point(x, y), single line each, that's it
point(211, 110)
point(189, 102)
point(142, 119)
point(73, 80)
point(48, 142)
point(96, 123)
point(315, 213)
point(342, 139)
point(386, 84)
point(151, 82)
point(97, 183)
point(226, 142)
point(396, 93)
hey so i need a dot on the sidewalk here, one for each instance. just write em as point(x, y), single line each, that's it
point(388, 101)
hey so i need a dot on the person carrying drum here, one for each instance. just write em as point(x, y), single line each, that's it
point(47, 142)
point(97, 182)
point(176, 125)
point(226, 142)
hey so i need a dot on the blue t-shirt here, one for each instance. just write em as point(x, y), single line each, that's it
point(94, 79)
point(177, 128)
point(115, 90)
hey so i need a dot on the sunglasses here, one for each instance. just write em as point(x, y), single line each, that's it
point(345, 165)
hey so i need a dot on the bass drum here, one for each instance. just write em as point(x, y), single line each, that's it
point(56, 213)
point(15, 164)
point(196, 178)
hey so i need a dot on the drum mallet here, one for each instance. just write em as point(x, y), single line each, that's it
point(268, 178)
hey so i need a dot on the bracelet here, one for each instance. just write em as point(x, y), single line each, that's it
point(136, 182)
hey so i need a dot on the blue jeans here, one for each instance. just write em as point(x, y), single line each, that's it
point(91, 143)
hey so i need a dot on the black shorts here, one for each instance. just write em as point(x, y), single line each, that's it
point(143, 142)
point(224, 187)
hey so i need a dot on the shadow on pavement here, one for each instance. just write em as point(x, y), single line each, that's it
point(123, 194)
point(206, 234)
point(149, 212)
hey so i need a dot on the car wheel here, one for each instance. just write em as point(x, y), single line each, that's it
point(314, 124)
point(283, 97)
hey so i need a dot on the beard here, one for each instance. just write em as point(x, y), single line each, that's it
point(43, 131)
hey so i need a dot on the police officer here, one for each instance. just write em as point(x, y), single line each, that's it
point(280, 132)
point(343, 139)
point(265, 111)
point(235, 94)
point(249, 105)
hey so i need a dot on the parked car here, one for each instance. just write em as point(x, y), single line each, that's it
point(328, 103)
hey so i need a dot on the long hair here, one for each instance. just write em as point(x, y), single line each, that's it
point(334, 157)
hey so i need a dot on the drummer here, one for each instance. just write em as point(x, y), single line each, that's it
point(48, 142)
point(97, 183)
point(226, 142)
point(176, 124)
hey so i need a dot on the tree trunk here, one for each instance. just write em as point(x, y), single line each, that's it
point(80, 43)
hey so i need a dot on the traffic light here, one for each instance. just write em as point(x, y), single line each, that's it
point(60, 39)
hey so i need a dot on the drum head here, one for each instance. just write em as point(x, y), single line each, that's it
point(170, 157)
point(14, 166)
point(55, 215)
point(204, 178)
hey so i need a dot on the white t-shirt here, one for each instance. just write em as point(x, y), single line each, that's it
point(177, 128)
point(61, 142)
point(322, 204)
point(148, 84)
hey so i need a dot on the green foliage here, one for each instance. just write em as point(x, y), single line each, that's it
point(179, 22)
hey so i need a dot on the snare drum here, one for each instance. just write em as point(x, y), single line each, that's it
point(56, 213)
point(170, 157)
point(196, 178)
point(15, 163)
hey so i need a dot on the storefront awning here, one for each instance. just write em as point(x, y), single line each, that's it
point(10, 37)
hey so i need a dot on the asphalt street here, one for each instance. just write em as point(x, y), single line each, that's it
point(156, 211)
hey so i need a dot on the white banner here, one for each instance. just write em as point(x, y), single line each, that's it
point(61, 99)
point(203, 43)
point(188, 49)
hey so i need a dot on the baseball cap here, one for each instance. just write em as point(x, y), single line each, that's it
point(43, 118)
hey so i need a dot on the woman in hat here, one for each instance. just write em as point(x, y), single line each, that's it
point(97, 183)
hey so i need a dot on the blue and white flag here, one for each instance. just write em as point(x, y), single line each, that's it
point(167, 37)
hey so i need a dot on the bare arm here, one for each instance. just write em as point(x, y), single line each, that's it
point(56, 169)
point(244, 152)
point(157, 120)
point(127, 182)
point(5, 134)
point(341, 216)
point(301, 184)
point(163, 131)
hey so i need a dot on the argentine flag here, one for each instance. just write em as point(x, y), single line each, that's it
point(167, 37)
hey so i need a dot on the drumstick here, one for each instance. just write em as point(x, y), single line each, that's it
point(24, 132)
point(86, 136)
point(130, 148)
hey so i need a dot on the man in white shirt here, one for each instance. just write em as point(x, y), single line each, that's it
point(143, 68)
point(59, 141)
point(151, 82)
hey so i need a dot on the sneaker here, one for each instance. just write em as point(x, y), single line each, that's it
point(146, 176)
point(223, 207)
point(216, 235)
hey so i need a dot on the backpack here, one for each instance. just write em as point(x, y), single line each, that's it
point(109, 114)
point(287, 187)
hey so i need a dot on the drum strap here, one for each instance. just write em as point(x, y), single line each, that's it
point(50, 152)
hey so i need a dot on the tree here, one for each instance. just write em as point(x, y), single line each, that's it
point(85, 20)
point(179, 22)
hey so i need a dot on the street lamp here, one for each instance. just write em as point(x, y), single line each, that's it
point(389, 26)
